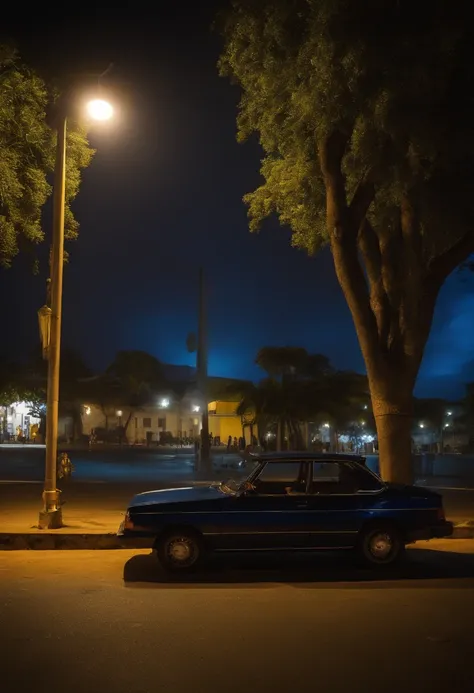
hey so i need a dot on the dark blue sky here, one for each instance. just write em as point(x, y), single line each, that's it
point(164, 196)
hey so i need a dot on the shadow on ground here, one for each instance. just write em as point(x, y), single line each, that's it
point(326, 570)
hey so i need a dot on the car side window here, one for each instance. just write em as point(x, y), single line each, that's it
point(363, 479)
point(326, 477)
point(281, 478)
point(341, 478)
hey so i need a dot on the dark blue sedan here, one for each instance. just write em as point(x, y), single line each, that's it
point(289, 502)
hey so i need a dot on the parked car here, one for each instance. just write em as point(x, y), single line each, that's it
point(288, 502)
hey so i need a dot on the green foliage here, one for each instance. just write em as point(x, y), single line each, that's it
point(395, 79)
point(292, 362)
point(302, 387)
point(139, 373)
point(27, 157)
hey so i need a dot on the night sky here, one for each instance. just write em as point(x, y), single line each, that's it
point(164, 196)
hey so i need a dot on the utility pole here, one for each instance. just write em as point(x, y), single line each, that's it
point(50, 517)
point(202, 380)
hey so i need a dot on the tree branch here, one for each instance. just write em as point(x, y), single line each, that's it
point(370, 250)
point(361, 201)
point(411, 307)
point(343, 237)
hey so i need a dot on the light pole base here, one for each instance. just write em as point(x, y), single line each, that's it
point(50, 519)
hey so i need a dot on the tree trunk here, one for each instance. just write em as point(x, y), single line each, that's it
point(393, 417)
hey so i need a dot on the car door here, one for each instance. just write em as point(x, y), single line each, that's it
point(334, 505)
point(272, 517)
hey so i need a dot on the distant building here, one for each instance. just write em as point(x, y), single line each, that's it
point(17, 423)
point(168, 417)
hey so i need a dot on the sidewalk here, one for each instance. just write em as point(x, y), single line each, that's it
point(92, 512)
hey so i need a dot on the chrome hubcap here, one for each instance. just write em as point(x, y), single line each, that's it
point(380, 545)
point(181, 550)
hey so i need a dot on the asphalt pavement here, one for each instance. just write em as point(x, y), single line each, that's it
point(112, 621)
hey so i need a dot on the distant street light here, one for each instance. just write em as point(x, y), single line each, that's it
point(165, 403)
point(421, 425)
point(449, 413)
point(50, 517)
point(326, 425)
point(196, 408)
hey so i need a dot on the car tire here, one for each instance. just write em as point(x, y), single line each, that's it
point(380, 546)
point(180, 550)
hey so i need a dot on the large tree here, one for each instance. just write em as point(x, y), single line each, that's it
point(364, 112)
point(27, 156)
point(140, 375)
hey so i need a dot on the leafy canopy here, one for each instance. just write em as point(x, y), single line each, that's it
point(27, 157)
point(393, 78)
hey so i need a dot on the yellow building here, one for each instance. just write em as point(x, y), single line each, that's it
point(225, 422)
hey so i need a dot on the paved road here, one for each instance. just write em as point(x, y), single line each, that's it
point(18, 463)
point(109, 621)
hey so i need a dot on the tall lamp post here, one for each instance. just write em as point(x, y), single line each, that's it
point(51, 517)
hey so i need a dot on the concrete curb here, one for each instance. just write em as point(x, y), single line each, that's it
point(49, 541)
point(464, 530)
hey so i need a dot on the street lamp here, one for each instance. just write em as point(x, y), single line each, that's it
point(50, 517)
point(98, 109)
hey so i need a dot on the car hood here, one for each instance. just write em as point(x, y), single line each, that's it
point(175, 495)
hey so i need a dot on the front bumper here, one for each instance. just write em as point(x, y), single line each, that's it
point(439, 531)
point(128, 539)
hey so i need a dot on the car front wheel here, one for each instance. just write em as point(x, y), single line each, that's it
point(381, 545)
point(179, 550)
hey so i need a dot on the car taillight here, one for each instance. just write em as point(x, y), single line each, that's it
point(441, 515)
point(128, 524)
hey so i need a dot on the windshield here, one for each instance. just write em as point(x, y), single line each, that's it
point(233, 486)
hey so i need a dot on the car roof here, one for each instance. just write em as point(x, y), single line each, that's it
point(294, 456)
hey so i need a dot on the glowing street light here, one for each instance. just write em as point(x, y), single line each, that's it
point(196, 408)
point(421, 425)
point(98, 109)
point(165, 403)
point(449, 413)
point(326, 425)
point(51, 517)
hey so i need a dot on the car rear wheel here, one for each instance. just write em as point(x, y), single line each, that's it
point(179, 550)
point(381, 545)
